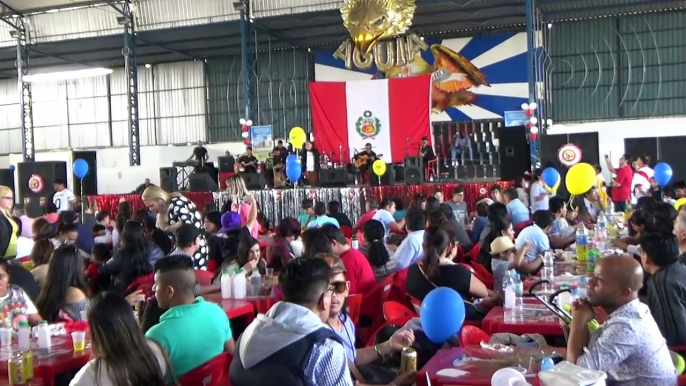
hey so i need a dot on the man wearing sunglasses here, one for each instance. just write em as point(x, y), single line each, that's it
point(291, 345)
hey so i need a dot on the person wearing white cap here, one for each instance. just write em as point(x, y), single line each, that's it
point(505, 258)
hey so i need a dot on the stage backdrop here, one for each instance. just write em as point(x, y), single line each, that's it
point(497, 81)
point(348, 115)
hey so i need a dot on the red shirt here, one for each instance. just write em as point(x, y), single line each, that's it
point(364, 218)
point(359, 273)
point(92, 276)
point(624, 177)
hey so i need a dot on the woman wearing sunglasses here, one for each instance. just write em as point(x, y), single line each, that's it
point(360, 360)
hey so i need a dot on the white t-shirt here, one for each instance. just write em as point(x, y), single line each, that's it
point(639, 184)
point(385, 217)
point(24, 246)
point(62, 199)
point(86, 376)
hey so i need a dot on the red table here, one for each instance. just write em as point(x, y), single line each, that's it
point(536, 320)
point(234, 308)
point(479, 372)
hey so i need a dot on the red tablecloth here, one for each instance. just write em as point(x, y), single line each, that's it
point(480, 372)
point(234, 308)
point(262, 304)
point(110, 202)
point(32, 382)
point(536, 320)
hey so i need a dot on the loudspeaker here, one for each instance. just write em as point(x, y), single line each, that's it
point(253, 181)
point(414, 161)
point(515, 158)
point(7, 178)
point(332, 178)
point(413, 175)
point(202, 182)
point(386, 179)
point(36, 180)
point(399, 171)
point(226, 164)
point(168, 180)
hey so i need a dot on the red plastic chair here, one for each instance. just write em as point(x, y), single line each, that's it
point(203, 277)
point(347, 232)
point(211, 373)
point(471, 336)
point(355, 307)
point(431, 169)
point(482, 274)
point(473, 254)
point(143, 283)
point(397, 312)
point(521, 226)
point(372, 307)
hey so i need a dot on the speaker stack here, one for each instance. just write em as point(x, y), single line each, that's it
point(36, 180)
point(333, 178)
point(254, 181)
point(168, 179)
point(414, 173)
point(515, 157)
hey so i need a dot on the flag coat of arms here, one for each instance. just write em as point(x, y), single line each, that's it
point(390, 114)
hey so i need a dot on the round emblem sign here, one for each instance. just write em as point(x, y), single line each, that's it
point(36, 183)
point(569, 154)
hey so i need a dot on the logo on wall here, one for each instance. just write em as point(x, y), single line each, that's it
point(368, 126)
point(569, 154)
point(36, 183)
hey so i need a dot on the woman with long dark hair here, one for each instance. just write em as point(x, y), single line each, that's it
point(280, 252)
point(131, 259)
point(65, 293)
point(375, 248)
point(122, 354)
point(429, 273)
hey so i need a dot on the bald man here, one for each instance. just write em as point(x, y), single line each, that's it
point(628, 346)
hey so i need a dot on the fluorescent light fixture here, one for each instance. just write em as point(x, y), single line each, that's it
point(66, 75)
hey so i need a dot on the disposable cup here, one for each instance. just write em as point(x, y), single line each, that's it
point(84, 315)
point(79, 340)
point(5, 337)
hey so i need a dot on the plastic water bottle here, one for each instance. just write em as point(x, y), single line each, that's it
point(239, 284)
point(508, 296)
point(547, 364)
point(355, 242)
point(591, 259)
point(581, 289)
point(564, 298)
point(24, 336)
point(602, 220)
point(44, 338)
point(518, 286)
point(548, 271)
point(581, 243)
point(256, 282)
point(225, 284)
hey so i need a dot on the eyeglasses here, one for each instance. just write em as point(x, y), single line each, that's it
point(338, 287)
point(8, 198)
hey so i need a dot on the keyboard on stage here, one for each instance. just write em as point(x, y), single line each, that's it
point(185, 164)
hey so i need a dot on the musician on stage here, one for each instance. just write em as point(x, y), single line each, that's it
point(200, 154)
point(279, 155)
point(426, 151)
point(364, 159)
point(309, 158)
point(248, 161)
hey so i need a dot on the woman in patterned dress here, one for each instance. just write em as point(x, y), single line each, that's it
point(174, 210)
point(15, 305)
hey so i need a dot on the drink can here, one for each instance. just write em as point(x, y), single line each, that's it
point(27, 365)
point(408, 360)
point(14, 370)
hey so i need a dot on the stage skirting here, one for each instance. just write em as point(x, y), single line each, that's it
point(279, 203)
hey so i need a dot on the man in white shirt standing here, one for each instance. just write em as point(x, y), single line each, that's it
point(640, 185)
point(63, 197)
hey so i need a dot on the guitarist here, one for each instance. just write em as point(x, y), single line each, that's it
point(365, 158)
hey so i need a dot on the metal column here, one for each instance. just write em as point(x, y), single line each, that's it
point(245, 57)
point(531, 73)
point(129, 52)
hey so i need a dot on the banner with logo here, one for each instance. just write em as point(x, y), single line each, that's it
point(262, 141)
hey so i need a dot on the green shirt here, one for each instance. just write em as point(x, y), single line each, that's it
point(192, 334)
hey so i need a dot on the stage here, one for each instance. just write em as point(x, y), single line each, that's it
point(276, 204)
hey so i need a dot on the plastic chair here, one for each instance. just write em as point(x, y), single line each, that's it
point(473, 254)
point(204, 277)
point(471, 335)
point(431, 169)
point(211, 373)
point(347, 232)
point(482, 274)
point(397, 311)
point(355, 307)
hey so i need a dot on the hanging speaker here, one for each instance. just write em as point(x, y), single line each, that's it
point(515, 156)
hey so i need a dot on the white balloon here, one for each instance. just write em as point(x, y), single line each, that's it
point(244, 134)
point(248, 122)
point(496, 142)
point(534, 130)
point(549, 122)
point(525, 106)
point(533, 120)
point(532, 106)
point(241, 121)
point(311, 137)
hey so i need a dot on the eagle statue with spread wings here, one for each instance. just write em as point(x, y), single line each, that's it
point(453, 75)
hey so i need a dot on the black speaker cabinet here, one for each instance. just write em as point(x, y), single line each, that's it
point(254, 181)
point(168, 180)
point(386, 179)
point(202, 182)
point(515, 157)
point(7, 178)
point(36, 181)
point(332, 178)
point(226, 164)
point(399, 171)
point(413, 175)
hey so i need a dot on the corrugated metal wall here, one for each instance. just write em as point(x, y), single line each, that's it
point(618, 68)
point(279, 83)
point(79, 114)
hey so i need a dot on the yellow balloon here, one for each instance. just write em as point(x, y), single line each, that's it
point(580, 178)
point(379, 167)
point(297, 137)
point(679, 203)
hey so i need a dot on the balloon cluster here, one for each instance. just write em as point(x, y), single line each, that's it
point(551, 178)
point(529, 109)
point(297, 138)
point(245, 130)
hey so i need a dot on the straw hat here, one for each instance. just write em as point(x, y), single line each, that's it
point(501, 244)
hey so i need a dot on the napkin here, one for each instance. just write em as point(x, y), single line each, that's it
point(569, 374)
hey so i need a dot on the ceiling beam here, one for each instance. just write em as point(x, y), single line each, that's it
point(164, 47)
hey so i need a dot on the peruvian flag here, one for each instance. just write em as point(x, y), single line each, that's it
point(390, 114)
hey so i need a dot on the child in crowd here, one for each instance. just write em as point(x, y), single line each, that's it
point(307, 213)
point(103, 218)
point(101, 235)
point(100, 253)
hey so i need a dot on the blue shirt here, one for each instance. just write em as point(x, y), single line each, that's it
point(537, 238)
point(536, 190)
point(410, 251)
point(499, 268)
point(385, 217)
point(399, 215)
point(478, 227)
point(328, 365)
point(347, 335)
point(320, 221)
point(517, 211)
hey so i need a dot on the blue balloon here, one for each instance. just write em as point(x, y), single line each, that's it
point(292, 158)
point(293, 170)
point(442, 314)
point(550, 177)
point(12, 168)
point(663, 173)
point(80, 168)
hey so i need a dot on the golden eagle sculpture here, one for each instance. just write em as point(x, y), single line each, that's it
point(452, 77)
point(369, 21)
